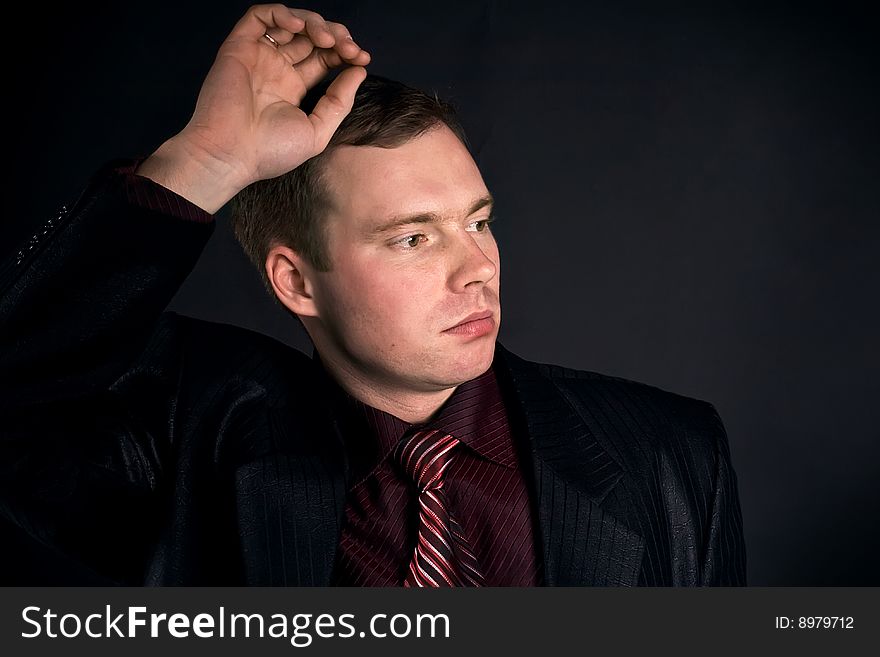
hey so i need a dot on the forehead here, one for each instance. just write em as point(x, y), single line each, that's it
point(432, 173)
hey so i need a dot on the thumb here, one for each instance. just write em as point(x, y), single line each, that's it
point(335, 104)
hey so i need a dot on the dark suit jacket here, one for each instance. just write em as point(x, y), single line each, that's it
point(146, 447)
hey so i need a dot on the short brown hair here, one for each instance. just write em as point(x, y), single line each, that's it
point(290, 209)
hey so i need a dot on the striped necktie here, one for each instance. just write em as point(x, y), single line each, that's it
point(442, 556)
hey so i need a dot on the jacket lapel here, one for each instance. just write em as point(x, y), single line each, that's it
point(582, 543)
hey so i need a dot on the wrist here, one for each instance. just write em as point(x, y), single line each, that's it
point(194, 174)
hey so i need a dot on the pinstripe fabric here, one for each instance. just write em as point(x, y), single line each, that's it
point(634, 483)
point(145, 193)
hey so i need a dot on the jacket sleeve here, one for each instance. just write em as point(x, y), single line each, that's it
point(724, 557)
point(82, 333)
point(79, 300)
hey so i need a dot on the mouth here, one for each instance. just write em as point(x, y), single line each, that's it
point(475, 324)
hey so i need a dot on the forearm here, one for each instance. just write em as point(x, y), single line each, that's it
point(75, 307)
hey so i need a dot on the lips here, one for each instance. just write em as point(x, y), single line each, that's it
point(485, 314)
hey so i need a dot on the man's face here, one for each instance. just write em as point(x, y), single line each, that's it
point(412, 257)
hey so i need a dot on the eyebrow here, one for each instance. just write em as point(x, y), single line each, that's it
point(424, 217)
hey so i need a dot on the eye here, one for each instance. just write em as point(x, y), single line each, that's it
point(482, 225)
point(410, 242)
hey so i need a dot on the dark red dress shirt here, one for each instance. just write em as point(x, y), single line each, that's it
point(484, 486)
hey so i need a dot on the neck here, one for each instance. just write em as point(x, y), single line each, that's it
point(414, 407)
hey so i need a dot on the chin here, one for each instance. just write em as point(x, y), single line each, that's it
point(470, 363)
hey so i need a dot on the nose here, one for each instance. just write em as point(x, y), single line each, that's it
point(476, 262)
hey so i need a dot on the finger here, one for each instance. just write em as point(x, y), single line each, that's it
point(280, 35)
point(261, 18)
point(298, 48)
point(314, 63)
point(314, 67)
point(316, 28)
point(346, 47)
point(335, 105)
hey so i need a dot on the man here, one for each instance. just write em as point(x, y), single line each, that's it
point(413, 449)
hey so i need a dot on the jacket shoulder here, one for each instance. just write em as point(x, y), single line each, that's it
point(626, 393)
point(213, 364)
point(638, 418)
point(242, 392)
point(235, 356)
point(201, 335)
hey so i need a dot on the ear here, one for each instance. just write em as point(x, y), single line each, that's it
point(292, 280)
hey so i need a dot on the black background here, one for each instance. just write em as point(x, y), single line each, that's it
point(688, 196)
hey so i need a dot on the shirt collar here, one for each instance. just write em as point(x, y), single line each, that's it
point(475, 414)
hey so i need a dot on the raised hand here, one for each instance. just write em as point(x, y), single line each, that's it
point(247, 124)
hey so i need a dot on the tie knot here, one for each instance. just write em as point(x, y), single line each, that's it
point(425, 457)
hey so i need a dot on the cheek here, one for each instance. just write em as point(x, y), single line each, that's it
point(382, 301)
